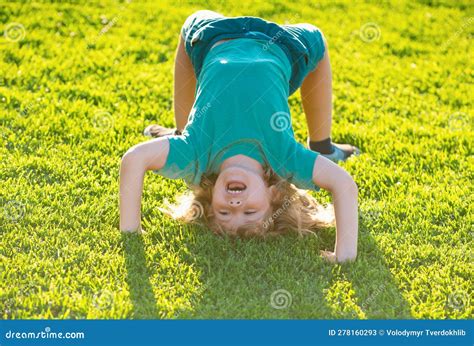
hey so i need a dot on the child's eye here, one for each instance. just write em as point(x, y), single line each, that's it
point(249, 212)
point(223, 213)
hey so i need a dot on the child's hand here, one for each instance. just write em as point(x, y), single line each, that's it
point(329, 256)
point(344, 192)
point(135, 163)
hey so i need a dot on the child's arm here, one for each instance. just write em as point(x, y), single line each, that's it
point(335, 179)
point(137, 160)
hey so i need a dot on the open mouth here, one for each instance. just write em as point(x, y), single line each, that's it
point(235, 187)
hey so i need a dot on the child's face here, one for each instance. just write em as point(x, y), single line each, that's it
point(240, 196)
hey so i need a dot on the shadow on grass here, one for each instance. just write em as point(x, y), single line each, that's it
point(279, 278)
point(138, 277)
point(378, 294)
point(286, 278)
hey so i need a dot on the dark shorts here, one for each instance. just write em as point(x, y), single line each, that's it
point(302, 43)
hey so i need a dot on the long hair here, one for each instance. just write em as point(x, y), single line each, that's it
point(292, 210)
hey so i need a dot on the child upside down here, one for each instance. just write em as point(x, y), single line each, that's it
point(233, 142)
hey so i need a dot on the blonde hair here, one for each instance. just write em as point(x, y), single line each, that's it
point(292, 210)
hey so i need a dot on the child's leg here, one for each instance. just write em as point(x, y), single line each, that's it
point(184, 86)
point(316, 94)
point(183, 96)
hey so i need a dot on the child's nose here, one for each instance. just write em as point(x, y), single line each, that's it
point(235, 203)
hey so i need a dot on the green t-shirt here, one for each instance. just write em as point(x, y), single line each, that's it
point(241, 107)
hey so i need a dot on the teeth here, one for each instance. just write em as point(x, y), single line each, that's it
point(235, 188)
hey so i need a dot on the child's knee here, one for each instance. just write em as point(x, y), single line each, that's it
point(318, 32)
point(204, 13)
point(200, 14)
point(325, 42)
point(315, 42)
point(195, 18)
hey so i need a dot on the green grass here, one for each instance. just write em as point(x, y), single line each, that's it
point(73, 100)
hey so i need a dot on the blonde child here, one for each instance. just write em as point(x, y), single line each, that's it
point(234, 144)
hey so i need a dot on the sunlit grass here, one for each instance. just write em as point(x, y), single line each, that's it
point(77, 90)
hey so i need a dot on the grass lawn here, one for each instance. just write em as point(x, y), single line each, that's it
point(77, 90)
